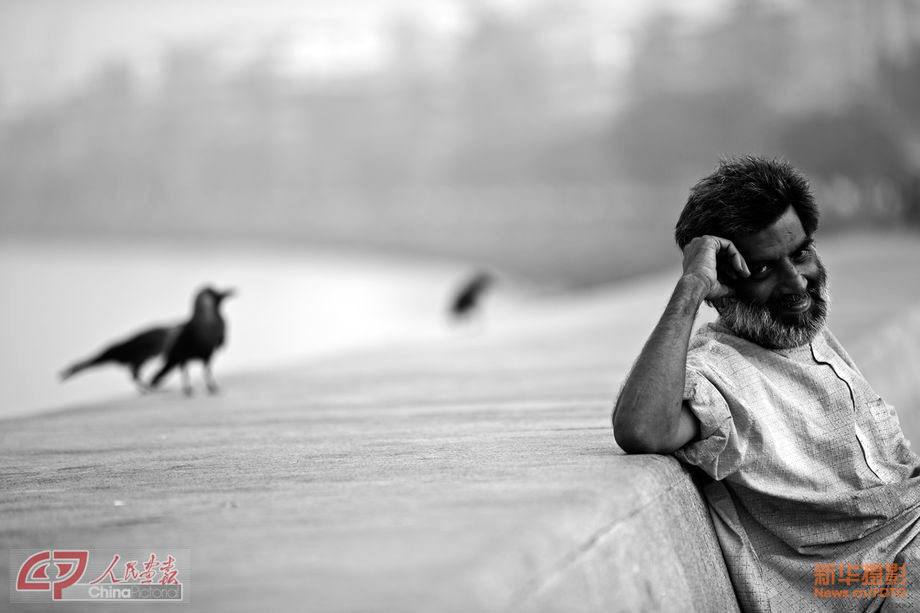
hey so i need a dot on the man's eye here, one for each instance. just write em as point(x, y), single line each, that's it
point(761, 271)
point(801, 255)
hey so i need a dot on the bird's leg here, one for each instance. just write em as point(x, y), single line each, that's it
point(142, 387)
point(186, 382)
point(209, 378)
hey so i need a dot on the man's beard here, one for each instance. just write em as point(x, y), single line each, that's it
point(759, 323)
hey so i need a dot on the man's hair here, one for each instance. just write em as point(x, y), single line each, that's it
point(744, 196)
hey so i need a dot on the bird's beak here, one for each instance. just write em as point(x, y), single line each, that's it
point(228, 293)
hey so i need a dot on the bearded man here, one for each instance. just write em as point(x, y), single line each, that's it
point(814, 494)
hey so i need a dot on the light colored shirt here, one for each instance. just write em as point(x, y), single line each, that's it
point(809, 469)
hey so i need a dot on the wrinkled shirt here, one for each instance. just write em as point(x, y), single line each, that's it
point(808, 465)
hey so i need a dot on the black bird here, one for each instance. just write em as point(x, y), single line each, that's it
point(467, 298)
point(132, 352)
point(198, 339)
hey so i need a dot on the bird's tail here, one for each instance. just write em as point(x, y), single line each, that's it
point(75, 368)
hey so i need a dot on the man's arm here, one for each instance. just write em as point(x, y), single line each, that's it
point(650, 416)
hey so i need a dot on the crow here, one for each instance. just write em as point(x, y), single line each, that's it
point(467, 298)
point(133, 353)
point(197, 339)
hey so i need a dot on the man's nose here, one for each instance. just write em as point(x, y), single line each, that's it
point(793, 281)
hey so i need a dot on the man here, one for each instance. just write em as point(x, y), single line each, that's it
point(813, 487)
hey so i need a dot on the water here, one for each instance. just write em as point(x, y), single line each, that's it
point(65, 299)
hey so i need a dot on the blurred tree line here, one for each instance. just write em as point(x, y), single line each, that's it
point(491, 154)
point(819, 87)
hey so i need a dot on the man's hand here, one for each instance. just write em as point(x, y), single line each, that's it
point(715, 262)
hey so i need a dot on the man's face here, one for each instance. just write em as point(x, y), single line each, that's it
point(783, 304)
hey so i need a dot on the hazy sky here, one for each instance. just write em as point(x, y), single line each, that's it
point(49, 46)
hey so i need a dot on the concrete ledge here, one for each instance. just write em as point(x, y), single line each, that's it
point(659, 554)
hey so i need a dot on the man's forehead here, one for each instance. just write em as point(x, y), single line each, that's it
point(781, 238)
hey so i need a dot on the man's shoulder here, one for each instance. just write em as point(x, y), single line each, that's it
point(716, 339)
point(714, 348)
point(826, 342)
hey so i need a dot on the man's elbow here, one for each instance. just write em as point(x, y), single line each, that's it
point(636, 439)
point(636, 444)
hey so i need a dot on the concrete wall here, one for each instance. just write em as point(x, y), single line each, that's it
point(659, 552)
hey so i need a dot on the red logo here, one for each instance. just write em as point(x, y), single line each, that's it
point(33, 574)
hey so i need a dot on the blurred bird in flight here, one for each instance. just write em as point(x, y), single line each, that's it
point(467, 299)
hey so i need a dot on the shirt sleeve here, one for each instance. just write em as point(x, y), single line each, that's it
point(716, 451)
